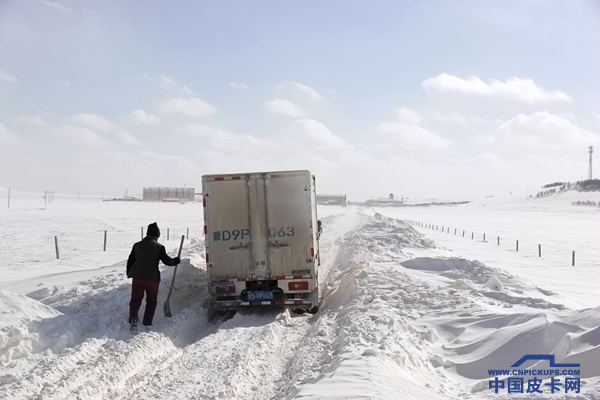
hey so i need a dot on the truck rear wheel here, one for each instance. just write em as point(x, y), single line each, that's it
point(221, 312)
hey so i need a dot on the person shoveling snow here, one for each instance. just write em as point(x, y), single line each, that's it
point(142, 266)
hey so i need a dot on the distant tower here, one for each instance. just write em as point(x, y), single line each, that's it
point(590, 168)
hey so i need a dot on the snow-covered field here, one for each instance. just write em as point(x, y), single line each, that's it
point(408, 312)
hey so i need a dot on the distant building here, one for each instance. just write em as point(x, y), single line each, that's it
point(168, 194)
point(332, 199)
point(389, 202)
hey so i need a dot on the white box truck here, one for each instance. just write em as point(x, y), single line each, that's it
point(262, 240)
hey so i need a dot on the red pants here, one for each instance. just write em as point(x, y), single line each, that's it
point(141, 285)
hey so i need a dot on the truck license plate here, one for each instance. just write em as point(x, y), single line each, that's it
point(261, 295)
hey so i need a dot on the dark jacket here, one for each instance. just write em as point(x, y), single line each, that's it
point(144, 258)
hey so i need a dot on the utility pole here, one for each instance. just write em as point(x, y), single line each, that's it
point(591, 151)
point(45, 198)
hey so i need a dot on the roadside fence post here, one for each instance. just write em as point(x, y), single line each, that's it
point(540, 250)
point(517, 245)
point(573, 261)
point(104, 240)
point(56, 246)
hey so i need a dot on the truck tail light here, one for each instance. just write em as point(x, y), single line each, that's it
point(225, 289)
point(302, 285)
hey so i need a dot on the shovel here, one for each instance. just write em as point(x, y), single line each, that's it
point(167, 303)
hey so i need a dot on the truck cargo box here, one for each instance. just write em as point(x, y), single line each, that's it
point(261, 236)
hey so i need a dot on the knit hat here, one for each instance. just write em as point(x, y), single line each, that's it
point(153, 230)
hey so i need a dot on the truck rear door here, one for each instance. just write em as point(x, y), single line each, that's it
point(227, 226)
point(289, 219)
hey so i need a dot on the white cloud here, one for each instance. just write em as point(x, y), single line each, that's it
point(127, 137)
point(408, 115)
point(142, 117)
point(186, 91)
point(57, 6)
point(30, 120)
point(483, 139)
point(460, 119)
point(166, 82)
point(191, 107)
point(92, 121)
point(7, 137)
point(84, 129)
point(239, 85)
point(299, 88)
point(229, 142)
point(517, 89)
point(410, 135)
point(545, 130)
point(315, 135)
point(302, 144)
point(283, 107)
point(486, 159)
point(453, 117)
point(179, 163)
point(60, 83)
point(77, 135)
point(6, 77)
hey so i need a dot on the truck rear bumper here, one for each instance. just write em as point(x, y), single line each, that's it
point(271, 303)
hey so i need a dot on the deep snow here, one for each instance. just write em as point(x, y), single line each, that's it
point(407, 312)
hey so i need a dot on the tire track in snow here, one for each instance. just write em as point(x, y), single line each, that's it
point(244, 358)
point(105, 367)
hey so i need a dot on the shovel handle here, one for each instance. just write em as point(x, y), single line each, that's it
point(181, 245)
point(175, 270)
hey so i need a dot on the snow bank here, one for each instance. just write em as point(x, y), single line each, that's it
point(583, 348)
point(28, 327)
point(494, 283)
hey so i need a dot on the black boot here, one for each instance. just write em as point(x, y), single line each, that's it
point(133, 323)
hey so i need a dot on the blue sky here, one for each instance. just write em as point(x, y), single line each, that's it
point(438, 98)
